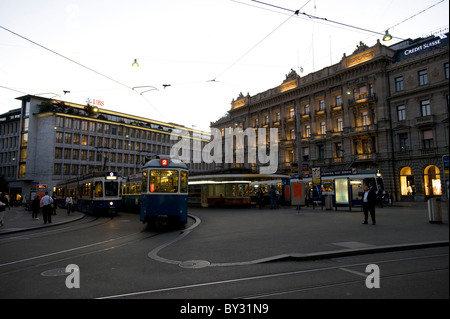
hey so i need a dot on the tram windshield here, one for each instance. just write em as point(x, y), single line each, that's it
point(111, 189)
point(163, 181)
point(107, 189)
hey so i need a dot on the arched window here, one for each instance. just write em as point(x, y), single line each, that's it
point(432, 181)
point(407, 186)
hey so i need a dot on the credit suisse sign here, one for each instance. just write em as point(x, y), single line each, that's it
point(419, 48)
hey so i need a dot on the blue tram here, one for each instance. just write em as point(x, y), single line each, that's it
point(96, 193)
point(132, 193)
point(164, 190)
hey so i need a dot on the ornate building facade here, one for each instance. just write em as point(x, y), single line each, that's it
point(381, 108)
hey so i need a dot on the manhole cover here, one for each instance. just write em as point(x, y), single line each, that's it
point(194, 264)
point(55, 272)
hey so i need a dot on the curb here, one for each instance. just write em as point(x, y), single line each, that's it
point(16, 230)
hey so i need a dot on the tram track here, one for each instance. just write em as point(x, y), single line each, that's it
point(291, 276)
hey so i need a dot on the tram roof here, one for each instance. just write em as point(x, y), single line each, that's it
point(232, 177)
point(171, 163)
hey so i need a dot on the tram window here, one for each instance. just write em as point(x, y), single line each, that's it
point(184, 182)
point(86, 189)
point(144, 181)
point(163, 181)
point(111, 188)
point(98, 189)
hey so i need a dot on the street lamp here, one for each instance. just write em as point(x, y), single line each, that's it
point(387, 36)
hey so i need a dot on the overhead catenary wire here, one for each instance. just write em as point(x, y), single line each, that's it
point(257, 44)
point(297, 12)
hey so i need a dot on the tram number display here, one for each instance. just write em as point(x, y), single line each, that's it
point(164, 162)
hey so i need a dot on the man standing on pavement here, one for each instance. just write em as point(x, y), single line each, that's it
point(69, 203)
point(369, 199)
point(47, 209)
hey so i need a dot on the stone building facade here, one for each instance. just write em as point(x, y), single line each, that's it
point(381, 108)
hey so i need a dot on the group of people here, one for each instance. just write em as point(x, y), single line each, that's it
point(274, 196)
point(49, 206)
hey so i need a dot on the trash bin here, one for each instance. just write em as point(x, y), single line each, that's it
point(434, 210)
point(328, 202)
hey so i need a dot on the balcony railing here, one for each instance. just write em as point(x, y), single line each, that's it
point(362, 99)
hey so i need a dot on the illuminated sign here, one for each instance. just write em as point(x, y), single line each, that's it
point(440, 40)
point(111, 175)
point(164, 162)
point(95, 102)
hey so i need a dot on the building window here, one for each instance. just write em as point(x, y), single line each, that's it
point(59, 121)
point(76, 139)
point(403, 140)
point(84, 125)
point(68, 123)
point(401, 113)
point(407, 186)
point(75, 154)
point(307, 131)
point(92, 126)
point(322, 105)
point(291, 113)
point(68, 138)
point(338, 100)
point(321, 151)
point(84, 140)
point(340, 124)
point(338, 149)
point(323, 128)
point(58, 153)
point(59, 137)
point(66, 169)
point(399, 84)
point(292, 134)
point(306, 109)
point(428, 139)
point(425, 107)
point(365, 118)
point(423, 77)
point(67, 152)
point(267, 119)
point(278, 117)
point(57, 169)
point(432, 179)
point(305, 154)
point(446, 70)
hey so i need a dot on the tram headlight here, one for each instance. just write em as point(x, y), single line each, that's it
point(111, 203)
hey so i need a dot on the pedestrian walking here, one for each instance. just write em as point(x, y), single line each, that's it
point(3, 204)
point(260, 198)
point(369, 199)
point(35, 206)
point(54, 205)
point(46, 203)
point(273, 198)
point(380, 196)
point(69, 203)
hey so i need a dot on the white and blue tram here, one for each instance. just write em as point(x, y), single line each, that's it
point(96, 193)
point(164, 190)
